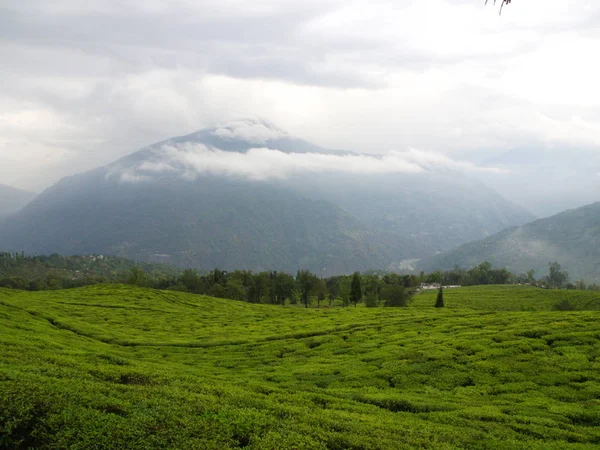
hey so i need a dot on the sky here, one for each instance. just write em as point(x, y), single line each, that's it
point(84, 83)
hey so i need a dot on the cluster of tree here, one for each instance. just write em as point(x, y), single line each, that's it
point(278, 288)
point(44, 272)
point(19, 271)
point(482, 274)
point(485, 273)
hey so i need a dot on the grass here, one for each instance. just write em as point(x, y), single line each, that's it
point(123, 367)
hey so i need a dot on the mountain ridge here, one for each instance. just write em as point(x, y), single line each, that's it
point(162, 204)
point(571, 238)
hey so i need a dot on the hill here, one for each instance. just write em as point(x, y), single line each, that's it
point(121, 367)
point(572, 238)
point(12, 200)
point(212, 198)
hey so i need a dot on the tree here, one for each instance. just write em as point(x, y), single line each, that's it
point(439, 302)
point(307, 283)
point(356, 289)
point(259, 287)
point(334, 286)
point(217, 290)
point(137, 277)
point(321, 291)
point(192, 282)
point(371, 301)
point(234, 290)
point(557, 277)
point(283, 287)
point(371, 285)
point(394, 295)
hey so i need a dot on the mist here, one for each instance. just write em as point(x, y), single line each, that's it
point(190, 160)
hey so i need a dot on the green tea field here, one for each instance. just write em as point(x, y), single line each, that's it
point(121, 367)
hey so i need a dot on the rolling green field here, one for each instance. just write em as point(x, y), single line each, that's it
point(122, 367)
point(508, 297)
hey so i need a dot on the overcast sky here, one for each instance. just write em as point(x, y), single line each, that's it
point(85, 82)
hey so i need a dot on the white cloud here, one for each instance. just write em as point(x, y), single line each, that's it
point(156, 166)
point(132, 177)
point(252, 131)
point(366, 75)
point(191, 160)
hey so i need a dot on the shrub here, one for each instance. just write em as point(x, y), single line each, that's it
point(564, 305)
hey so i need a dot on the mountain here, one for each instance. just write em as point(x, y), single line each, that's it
point(247, 195)
point(572, 238)
point(12, 199)
point(210, 222)
point(435, 211)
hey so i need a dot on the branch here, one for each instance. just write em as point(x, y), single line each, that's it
point(503, 2)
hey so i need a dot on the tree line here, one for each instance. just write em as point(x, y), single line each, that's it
point(279, 288)
point(34, 273)
point(485, 273)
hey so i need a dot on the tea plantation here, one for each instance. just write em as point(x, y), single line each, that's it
point(121, 367)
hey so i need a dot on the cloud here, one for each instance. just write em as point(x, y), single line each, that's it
point(366, 75)
point(432, 161)
point(132, 177)
point(255, 132)
point(190, 160)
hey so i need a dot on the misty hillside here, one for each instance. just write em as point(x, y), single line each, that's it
point(572, 238)
point(434, 210)
point(210, 222)
point(12, 199)
point(233, 197)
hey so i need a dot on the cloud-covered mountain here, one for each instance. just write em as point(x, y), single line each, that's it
point(248, 195)
point(572, 238)
point(12, 199)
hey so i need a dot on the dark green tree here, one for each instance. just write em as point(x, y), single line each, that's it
point(320, 291)
point(356, 289)
point(283, 286)
point(371, 301)
point(394, 295)
point(307, 283)
point(439, 302)
point(217, 290)
point(192, 282)
point(234, 289)
point(259, 288)
point(334, 286)
point(557, 277)
point(137, 277)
